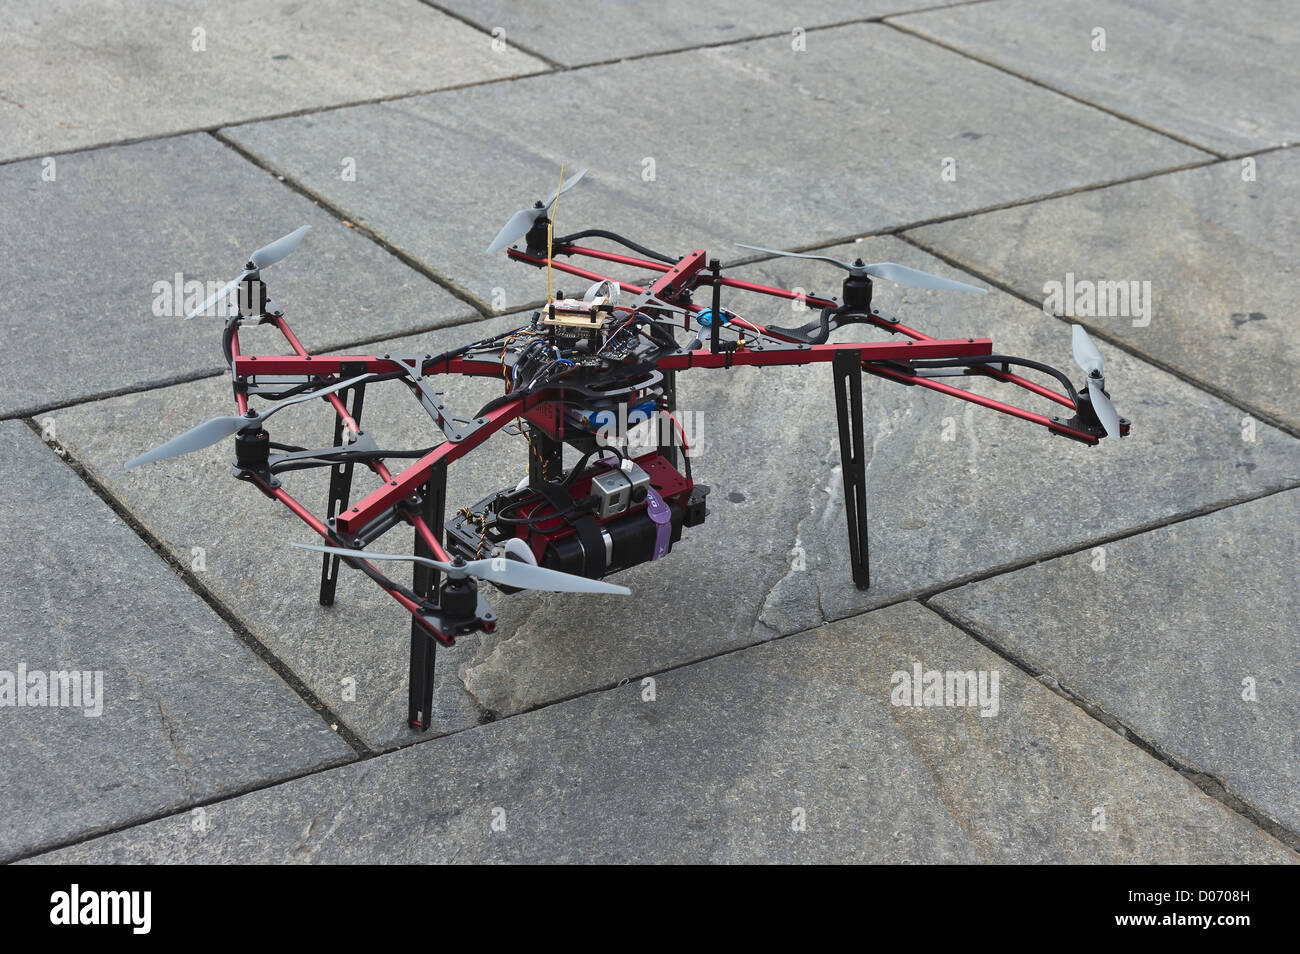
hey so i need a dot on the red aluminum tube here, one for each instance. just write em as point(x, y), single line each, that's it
point(812, 301)
point(870, 351)
point(296, 345)
point(983, 401)
point(815, 302)
point(378, 466)
point(687, 272)
point(408, 481)
point(434, 544)
point(249, 365)
point(1005, 376)
point(572, 270)
point(308, 518)
point(915, 335)
point(697, 257)
point(610, 257)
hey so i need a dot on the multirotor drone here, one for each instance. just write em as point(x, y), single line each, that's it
point(574, 368)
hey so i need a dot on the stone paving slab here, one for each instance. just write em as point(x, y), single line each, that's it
point(1166, 635)
point(78, 74)
point(719, 765)
point(747, 142)
point(1219, 75)
point(997, 493)
point(611, 30)
point(1219, 254)
point(83, 254)
point(186, 711)
point(250, 568)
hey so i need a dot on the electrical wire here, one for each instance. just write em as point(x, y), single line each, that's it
point(686, 448)
point(615, 237)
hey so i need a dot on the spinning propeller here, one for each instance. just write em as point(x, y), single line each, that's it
point(219, 428)
point(899, 274)
point(525, 219)
point(523, 576)
point(265, 256)
point(1087, 357)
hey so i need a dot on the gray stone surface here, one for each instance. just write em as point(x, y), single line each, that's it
point(192, 501)
point(83, 253)
point(715, 767)
point(997, 493)
point(188, 712)
point(612, 30)
point(1219, 253)
point(696, 131)
point(1220, 75)
point(751, 142)
point(1165, 637)
point(79, 74)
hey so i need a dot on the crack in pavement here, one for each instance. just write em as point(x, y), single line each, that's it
point(301, 851)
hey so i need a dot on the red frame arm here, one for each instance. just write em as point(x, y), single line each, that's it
point(688, 273)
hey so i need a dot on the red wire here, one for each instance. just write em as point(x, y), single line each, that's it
point(680, 433)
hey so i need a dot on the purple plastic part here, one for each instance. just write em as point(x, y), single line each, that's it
point(663, 518)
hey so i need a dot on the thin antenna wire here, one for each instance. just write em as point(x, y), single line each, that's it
point(550, 234)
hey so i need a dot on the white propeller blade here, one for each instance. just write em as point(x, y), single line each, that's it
point(265, 256)
point(523, 576)
point(1106, 412)
point(197, 438)
point(1086, 354)
point(1088, 357)
point(270, 254)
point(902, 275)
point(899, 274)
point(569, 183)
point(523, 220)
point(217, 297)
point(219, 428)
point(515, 229)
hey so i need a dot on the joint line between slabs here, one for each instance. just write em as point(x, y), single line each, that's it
point(227, 616)
point(1208, 784)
